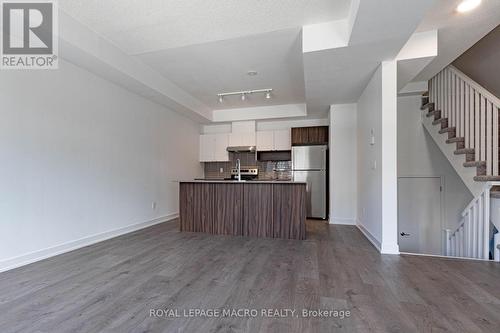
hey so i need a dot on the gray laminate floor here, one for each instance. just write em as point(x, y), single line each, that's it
point(111, 286)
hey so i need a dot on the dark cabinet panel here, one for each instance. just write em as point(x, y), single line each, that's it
point(300, 136)
point(258, 210)
point(316, 135)
point(289, 211)
point(228, 214)
point(197, 207)
point(253, 210)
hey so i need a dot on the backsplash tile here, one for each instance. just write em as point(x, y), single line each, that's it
point(281, 170)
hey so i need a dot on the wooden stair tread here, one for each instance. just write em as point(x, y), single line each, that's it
point(433, 113)
point(487, 178)
point(438, 121)
point(457, 139)
point(426, 106)
point(447, 129)
point(495, 192)
point(464, 151)
point(474, 164)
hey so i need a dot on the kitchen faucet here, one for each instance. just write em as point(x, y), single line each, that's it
point(238, 167)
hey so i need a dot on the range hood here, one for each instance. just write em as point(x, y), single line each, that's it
point(242, 149)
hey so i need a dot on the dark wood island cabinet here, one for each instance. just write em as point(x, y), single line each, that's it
point(254, 209)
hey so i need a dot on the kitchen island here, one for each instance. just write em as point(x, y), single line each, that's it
point(273, 209)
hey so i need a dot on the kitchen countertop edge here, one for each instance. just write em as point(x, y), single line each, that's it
point(242, 182)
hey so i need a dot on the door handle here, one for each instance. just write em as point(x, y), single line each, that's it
point(404, 234)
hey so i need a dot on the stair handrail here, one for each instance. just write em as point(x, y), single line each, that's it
point(485, 92)
point(461, 100)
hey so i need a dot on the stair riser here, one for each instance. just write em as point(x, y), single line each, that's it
point(451, 134)
point(481, 170)
point(437, 115)
point(444, 123)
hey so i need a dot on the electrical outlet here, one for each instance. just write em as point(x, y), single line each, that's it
point(153, 205)
point(221, 170)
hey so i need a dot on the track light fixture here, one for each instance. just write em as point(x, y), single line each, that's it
point(243, 94)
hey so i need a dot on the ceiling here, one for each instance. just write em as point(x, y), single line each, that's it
point(204, 70)
point(151, 25)
point(339, 75)
point(456, 32)
point(193, 50)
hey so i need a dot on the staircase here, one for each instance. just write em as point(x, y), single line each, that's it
point(463, 118)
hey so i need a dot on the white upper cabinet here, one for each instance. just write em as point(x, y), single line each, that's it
point(274, 140)
point(213, 147)
point(242, 139)
point(207, 147)
point(265, 140)
point(221, 144)
point(282, 140)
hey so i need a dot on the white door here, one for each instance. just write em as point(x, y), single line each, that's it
point(419, 215)
point(282, 140)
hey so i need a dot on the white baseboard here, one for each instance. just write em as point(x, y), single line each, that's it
point(342, 221)
point(442, 257)
point(32, 257)
point(383, 248)
point(389, 248)
point(369, 236)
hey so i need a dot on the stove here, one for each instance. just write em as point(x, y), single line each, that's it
point(247, 173)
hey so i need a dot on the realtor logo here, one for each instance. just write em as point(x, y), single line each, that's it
point(29, 34)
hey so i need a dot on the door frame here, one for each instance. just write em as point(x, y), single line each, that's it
point(442, 210)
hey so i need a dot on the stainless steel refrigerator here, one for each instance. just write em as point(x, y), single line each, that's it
point(309, 165)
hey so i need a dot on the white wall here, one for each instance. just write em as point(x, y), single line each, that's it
point(260, 112)
point(377, 163)
point(343, 164)
point(287, 124)
point(268, 125)
point(418, 155)
point(80, 157)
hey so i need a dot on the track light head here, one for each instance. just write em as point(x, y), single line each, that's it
point(245, 93)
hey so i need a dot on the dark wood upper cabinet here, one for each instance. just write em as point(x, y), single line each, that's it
point(316, 135)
